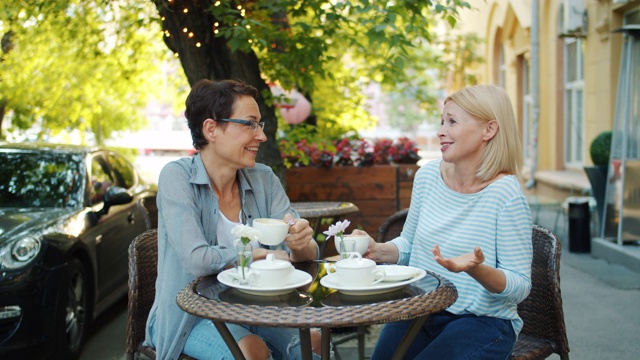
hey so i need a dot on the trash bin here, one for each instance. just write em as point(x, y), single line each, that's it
point(579, 226)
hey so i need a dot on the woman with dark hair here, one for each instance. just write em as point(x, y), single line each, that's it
point(200, 199)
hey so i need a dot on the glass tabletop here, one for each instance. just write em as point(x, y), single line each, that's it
point(313, 294)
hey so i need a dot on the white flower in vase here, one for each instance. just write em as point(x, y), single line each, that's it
point(337, 230)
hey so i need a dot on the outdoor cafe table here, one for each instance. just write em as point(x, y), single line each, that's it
point(313, 306)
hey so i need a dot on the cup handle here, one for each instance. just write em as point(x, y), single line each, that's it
point(381, 273)
point(333, 276)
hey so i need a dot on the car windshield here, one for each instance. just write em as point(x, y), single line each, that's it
point(37, 179)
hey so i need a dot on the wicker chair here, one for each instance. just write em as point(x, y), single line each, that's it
point(143, 262)
point(544, 332)
point(392, 227)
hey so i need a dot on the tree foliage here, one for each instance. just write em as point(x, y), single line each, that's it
point(327, 49)
point(90, 65)
point(85, 65)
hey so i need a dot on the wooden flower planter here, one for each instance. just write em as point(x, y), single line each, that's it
point(378, 191)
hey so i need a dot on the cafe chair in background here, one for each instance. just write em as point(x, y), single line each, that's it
point(392, 227)
point(143, 262)
point(544, 332)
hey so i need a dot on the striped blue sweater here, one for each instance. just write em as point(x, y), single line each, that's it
point(497, 219)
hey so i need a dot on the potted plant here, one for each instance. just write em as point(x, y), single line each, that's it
point(374, 174)
point(600, 151)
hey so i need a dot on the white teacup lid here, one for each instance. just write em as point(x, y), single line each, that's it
point(270, 263)
point(355, 261)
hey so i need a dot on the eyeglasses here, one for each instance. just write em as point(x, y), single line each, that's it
point(254, 125)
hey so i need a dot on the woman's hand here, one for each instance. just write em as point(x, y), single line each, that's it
point(300, 239)
point(464, 262)
point(379, 252)
point(491, 278)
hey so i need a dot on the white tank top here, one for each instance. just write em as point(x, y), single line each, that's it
point(223, 231)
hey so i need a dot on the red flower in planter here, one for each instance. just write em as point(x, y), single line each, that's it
point(357, 152)
point(348, 152)
point(400, 151)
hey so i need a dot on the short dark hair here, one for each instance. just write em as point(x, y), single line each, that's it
point(212, 100)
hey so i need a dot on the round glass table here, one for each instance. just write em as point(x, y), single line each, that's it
point(315, 306)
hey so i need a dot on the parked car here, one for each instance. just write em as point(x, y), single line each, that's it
point(67, 217)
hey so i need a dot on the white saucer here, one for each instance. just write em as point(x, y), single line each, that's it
point(379, 288)
point(398, 272)
point(298, 279)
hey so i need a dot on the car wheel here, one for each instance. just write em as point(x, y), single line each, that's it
point(72, 325)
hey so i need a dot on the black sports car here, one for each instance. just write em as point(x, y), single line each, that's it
point(67, 217)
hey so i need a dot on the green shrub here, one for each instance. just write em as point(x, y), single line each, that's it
point(600, 148)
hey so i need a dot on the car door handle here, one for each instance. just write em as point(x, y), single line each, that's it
point(131, 218)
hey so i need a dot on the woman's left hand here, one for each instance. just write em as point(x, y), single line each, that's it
point(300, 234)
point(464, 262)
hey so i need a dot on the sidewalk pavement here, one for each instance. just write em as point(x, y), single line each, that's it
point(601, 307)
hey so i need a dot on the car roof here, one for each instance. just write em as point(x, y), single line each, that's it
point(47, 147)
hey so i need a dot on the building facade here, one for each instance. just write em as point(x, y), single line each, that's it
point(562, 62)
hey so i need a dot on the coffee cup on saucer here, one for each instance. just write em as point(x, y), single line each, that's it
point(355, 271)
point(360, 243)
point(271, 272)
point(272, 231)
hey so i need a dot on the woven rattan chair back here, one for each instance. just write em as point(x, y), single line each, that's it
point(392, 227)
point(544, 332)
point(143, 270)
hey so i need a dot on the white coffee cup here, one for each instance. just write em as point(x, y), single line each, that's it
point(271, 272)
point(361, 242)
point(355, 272)
point(272, 231)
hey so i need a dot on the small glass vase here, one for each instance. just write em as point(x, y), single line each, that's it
point(346, 247)
point(245, 257)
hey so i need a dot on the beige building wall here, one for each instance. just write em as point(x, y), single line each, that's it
point(507, 23)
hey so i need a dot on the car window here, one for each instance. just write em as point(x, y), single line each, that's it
point(101, 179)
point(36, 179)
point(122, 171)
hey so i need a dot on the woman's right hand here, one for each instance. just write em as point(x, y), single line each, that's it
point(379, 252)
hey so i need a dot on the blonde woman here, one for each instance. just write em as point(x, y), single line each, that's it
point(470, 222)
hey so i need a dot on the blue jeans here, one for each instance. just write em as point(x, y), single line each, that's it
point(204, 340)
point(448, 336)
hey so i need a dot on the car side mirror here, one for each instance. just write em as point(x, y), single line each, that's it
point(115, 195)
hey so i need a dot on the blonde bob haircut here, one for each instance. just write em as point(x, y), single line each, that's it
point(503, 153)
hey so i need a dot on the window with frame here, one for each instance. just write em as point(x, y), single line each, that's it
point(101, 179)
point(527, 112)
point(573, 107)
point(122, 171)
point(573, 102)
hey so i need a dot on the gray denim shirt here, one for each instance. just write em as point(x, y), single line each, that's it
point(187, 241)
